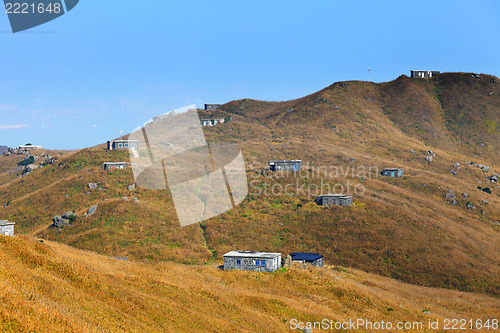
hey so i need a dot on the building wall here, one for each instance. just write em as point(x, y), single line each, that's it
point(114, 145)
point(330, 200)
point(7, 230)
point(286, 166)
point(393, 173)
point(114, 166)
point(423, 74)
point(248, 264)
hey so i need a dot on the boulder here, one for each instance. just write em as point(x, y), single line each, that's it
point(131, 187)
point(59, 221)
point(92, 186)
point(135, 200)
point(456, 165)
point(428, 159)
point(92, 210)
point(30, 167)
point(125, 199)
point(464, 195)
point(68, 214)
point(412, 151)
point(453, 172)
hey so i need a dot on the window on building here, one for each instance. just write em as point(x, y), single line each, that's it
point(263, 263)
point(238, 262)
point(256, 263)
point(120, 145)
point(126, 145)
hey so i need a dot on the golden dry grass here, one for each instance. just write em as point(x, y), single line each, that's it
point(50, 287)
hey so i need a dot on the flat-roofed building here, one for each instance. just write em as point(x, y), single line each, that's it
point(334, 199)
point(123, 144)
point(6, 228)
point(252, 261)
point(392, 172)
point(285, 165)
point(309, 258)
point(114, 165)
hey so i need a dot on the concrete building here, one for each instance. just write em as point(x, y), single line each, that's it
point(334, 199)
point(423, 74)
point(252, 261)
point(123, 144)
point(309, 258)
point(392, 172)
point(211, 122)
point(6, 228)
point(285, 165)
point(30, 147)
point(212, 106)
point(114, 165)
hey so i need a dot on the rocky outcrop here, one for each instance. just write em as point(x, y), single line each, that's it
point(92, 186)
point(91, 211)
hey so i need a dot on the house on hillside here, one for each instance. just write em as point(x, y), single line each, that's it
point(285, 165)
point(252, 261)
point(423, 74)
point(123, 144)
point(114, 165)
point(334, 199)
point(29, 147)
point(212, 106)
point(6, 228)
point(392, 172)
point(212, 122)
point(307, 258)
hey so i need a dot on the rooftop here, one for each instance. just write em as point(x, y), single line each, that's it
point(252, 254)
point(334, 195)
point(4, 223)
point(305, 256)
point(275, 161)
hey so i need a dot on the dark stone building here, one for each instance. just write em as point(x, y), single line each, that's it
point(423, 74)
point(252, 261)
point(212, 106)
point(123, 144)
point(114, 165)
point(6, 228)
point(334, 199)
point(392, 172)
point(309, 258)
point(285, 165)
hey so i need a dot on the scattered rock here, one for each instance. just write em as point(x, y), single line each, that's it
point(335, 107)
point(125, 199)
point(450, 195)
point(470, 206)
point(131, 187)
point(453, 172)
point(456, 165)
point(135, 200)
point(92, 210)
point(412, 151)
point(68, 214)
point(66, 196)
point(102, 189)
point(454, 202)
point(428, 159)
point(59, 221)
point(92, 186)
point(465, 195)
point(484, 201)
point(430, 152)
point(483, 212)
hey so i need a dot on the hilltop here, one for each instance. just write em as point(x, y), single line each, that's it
point(80, 291)
point(402, 228)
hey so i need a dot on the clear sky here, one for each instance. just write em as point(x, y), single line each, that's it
point(105, 65)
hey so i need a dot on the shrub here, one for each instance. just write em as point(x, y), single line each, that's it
point(27, 161)
point(72, 218)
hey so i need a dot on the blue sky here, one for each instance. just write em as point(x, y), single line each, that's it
point(105, 65)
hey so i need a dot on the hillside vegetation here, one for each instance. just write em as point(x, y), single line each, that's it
point(403, 228)
point(49, 287)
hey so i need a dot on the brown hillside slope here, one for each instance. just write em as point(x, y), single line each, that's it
point(402, 228)
point(48, 287)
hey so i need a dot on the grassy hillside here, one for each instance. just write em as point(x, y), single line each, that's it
point(49, 287)
point(400, 228)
